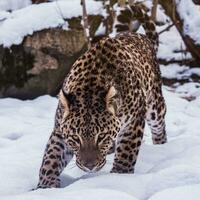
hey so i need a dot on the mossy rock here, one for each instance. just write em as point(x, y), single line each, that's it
point(39, 65)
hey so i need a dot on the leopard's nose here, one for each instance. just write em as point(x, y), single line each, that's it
point(90, 165)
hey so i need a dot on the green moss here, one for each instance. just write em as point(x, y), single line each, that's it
point(75, 23)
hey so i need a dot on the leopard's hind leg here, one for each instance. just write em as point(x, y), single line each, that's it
point(156, 119)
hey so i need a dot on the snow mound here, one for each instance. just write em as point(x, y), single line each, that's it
point(61, 194)
point(180, 193)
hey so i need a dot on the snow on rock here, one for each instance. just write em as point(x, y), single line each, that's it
point(190, 14)
point(179, 72)
point(25, 21)
point(15, 26)
point(26, 125)
point(175, 71)
point(195, 71)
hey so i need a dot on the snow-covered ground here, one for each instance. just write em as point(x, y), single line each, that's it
point(163, 172)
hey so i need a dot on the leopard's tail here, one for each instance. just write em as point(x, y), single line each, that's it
point(137, 12)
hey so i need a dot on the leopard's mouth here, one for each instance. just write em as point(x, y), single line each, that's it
point(96, 168)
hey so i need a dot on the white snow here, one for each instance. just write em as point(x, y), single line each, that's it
point(190, 89)
point(180, 193)
point(25, 21)
point(26, 125)
point(161, 16)
point(171, 45)
point(13, 4)
point(195, 70)
point(101, 30)
point(190, 14)
point(176, 71)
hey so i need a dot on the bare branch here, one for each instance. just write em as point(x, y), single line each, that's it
point(166, 29)
point(154, 10)
point(190, 44)
point(109, 20)
point(85, 23)
point(131, 2)
point(122, 3)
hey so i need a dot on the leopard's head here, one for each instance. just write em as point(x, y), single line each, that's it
point(90, 128)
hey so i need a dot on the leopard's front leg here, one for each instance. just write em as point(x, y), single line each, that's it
point(128, 146)
point(55, 159)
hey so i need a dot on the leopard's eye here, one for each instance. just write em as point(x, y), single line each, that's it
point(71, 143)
point(101, 136)
point(74, 142)
point(76, 138)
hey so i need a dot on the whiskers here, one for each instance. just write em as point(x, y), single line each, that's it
point(73, 164)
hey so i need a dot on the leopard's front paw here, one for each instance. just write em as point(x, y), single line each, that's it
point(121, 169)
point(160, 140)
point(49, 184)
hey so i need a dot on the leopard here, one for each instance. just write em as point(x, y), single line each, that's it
point(106, 99)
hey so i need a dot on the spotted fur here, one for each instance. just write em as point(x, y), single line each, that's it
point(103, 104)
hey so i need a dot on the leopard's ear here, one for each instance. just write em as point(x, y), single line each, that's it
point(64, 101)
point(111, 102)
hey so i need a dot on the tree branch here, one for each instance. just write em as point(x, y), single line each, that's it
point(154, 10)
point(170, 9)
point(166, 29)
point(85, 23)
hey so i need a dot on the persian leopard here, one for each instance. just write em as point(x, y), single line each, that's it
point(103, 104)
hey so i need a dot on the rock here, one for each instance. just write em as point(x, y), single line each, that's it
point(39, 65)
